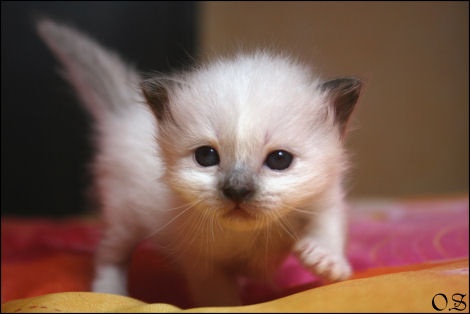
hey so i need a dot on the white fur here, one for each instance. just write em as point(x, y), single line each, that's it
point(151, 186)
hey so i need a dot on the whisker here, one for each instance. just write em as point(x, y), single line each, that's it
point(290, 227)
point(266, 250)
point(284, 225)
point(205, 247)
point(299, 210)
point(191, 205)
point(197, 227)
point(185, 235)
point(177, 207)
point(212, 227)
point(210, 246)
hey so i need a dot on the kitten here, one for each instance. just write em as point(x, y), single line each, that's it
point(228, 168)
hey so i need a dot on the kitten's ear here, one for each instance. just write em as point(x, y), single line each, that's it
point(156, 95)
point(343, 94)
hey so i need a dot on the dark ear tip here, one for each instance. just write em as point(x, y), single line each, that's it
point(343, 84)
point(146, 88)
point(357, 83)
point(351, 83)
point(146, 84)
point(343, 94)
point(156, 95)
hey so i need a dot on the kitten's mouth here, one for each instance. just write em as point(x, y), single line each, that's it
point(238, 212)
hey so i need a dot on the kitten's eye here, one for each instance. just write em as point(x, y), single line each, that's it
point(279, 160)
point(207, 156)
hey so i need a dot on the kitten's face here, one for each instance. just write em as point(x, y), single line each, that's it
point(250, 141)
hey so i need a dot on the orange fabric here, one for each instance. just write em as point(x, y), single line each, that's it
point(60, 272)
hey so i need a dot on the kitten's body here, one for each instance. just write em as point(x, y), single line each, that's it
point(151, 186)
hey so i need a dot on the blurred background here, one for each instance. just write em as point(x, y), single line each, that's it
point(409, 133)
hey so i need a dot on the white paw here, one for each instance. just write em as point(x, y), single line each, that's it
point(110, 279)
point(323, 262)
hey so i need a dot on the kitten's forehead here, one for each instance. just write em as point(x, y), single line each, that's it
point(253, 82)
point(250, 101)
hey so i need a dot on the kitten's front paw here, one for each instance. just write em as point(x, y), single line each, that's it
point(323, 262)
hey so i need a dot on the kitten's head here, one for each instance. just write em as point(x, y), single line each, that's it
point(252, 138)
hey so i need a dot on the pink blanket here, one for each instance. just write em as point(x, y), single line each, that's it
point(43, 255)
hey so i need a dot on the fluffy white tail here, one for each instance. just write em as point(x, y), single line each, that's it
point(105, 84)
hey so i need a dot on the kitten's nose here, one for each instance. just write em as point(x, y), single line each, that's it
point(238, 184)
point(237, 194)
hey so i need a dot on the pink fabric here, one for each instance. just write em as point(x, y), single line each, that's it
point(382, 234)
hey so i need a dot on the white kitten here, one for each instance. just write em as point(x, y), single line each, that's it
point(228, 168)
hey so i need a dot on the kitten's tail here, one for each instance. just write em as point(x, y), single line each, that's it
point(105, 84)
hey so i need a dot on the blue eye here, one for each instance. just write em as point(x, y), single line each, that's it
point(206, 156)
point(279, 160)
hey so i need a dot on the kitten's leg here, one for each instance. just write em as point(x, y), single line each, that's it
point(322, 248)
point(111, 260)
point(214, 288)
